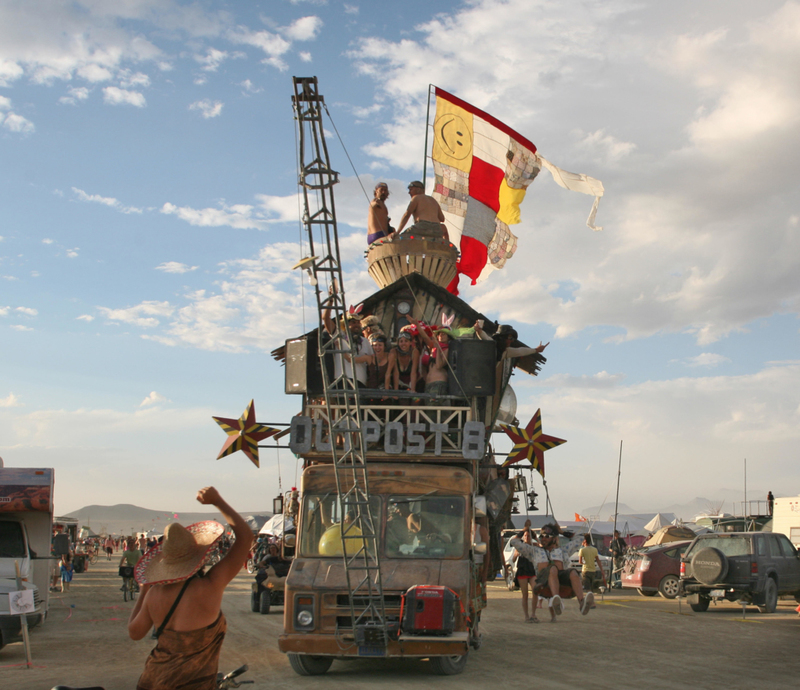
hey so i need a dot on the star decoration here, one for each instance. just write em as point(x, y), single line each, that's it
point(244, 434)
point(530, 443)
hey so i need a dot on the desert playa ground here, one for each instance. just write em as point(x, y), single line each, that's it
point(627, 642)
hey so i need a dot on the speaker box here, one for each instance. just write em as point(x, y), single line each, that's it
point(474, 363)
point(303, 372)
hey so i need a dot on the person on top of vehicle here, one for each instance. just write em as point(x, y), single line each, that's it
point(428, 216)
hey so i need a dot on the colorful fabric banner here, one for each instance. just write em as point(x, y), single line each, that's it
point(483, 169)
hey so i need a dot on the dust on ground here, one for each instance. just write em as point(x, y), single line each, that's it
point(628, 641)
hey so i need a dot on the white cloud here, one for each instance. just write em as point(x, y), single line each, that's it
point(207, 108)
point(249, 87)
point(116, 96)
point(350, 9)
point(145, 315)
point(5, 103)
point(111, 202)
point(85, 317)
point(94, 73)
point(175, 267)
point(20, 327)
point(272, 209)
point(9, 72)
point(304, 56)
point(79, 93)
point(212, 59)
point(4, 311)
point(47, 240)
point(138, 79)
point(153, 399)
point(16, 123)
point(707, 359)
point(10, 400)
point(73, 253)
point(28, 311)
point(304, 29)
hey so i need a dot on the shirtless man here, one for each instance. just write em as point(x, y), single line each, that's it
point(428, 216)
point(378, 219)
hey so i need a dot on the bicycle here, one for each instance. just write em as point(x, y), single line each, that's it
point(129, 585)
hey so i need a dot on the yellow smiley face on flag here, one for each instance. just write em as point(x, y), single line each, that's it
point(452, 140)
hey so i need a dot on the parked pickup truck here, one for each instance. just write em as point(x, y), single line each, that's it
point(755, 567)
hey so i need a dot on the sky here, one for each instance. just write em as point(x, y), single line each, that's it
point(149, 222)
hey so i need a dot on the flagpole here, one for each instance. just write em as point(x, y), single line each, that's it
point(427, 126)
point(619, 474)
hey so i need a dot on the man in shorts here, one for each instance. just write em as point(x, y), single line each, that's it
point(428, 216)
point(553, 573)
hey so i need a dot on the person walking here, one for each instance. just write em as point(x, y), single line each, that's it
point(185, 605)
point(590, 562)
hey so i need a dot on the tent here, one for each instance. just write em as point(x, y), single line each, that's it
point(656, 523)
point(670, 533)
point(275, 527)
point(256, 522)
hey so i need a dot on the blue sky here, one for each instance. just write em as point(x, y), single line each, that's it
point(149, 222)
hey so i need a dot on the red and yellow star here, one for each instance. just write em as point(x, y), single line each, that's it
point(530, 443)
point(244, 434)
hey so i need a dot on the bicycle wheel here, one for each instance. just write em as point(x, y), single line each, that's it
point(133, 589)
point(125, 588)
point(93, 558)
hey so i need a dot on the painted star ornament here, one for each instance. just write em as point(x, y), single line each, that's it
point(530, 443)
point(244, 434)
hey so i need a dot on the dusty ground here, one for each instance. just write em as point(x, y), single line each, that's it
point(627, 642)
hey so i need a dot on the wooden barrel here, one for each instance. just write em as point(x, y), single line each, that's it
point(390, 260)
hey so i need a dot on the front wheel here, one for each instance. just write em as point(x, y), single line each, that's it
point(125, 589)
point(770, 597)
point(668, 588)
point(265, 601)
point(254, 602)
point(251, 566)
point(93, 559)
point(448, 665)
point(699, 603)
point(307, 665)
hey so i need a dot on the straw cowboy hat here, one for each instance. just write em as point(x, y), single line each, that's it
point(180, 555)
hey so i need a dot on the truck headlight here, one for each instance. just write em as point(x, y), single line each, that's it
point(305, 618)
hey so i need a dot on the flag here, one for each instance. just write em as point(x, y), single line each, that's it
point(483, 169)
point(580, 518)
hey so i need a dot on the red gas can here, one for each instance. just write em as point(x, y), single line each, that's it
point(429, 610)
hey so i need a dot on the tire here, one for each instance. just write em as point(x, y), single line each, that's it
point(254, 602)
point(125, 591)
point(770, 597)
point(668, 587)
point(307, 665)
point(448, 665)
point(265, 601)
point(709, 566)
point(646, 594)
point(251, 566)
point(132, 593)
point(699, 603)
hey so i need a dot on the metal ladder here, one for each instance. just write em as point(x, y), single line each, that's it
point(360, 536)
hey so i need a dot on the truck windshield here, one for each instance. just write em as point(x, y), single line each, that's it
point(12, 543)
point(425, 526)
point(322, 525)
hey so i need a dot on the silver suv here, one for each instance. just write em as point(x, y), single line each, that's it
point(755, 567)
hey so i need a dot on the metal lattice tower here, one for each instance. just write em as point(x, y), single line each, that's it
point(359, 535)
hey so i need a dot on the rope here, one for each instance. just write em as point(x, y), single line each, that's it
point(341, 141)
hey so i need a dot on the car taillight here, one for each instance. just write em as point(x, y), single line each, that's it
point(754, 567)
point(644, 564)
point(683, 569)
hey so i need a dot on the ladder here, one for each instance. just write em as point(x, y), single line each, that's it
point(360, 534)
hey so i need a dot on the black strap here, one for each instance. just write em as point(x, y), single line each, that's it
point(163, 625)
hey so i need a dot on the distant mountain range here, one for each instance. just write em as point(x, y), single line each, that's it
point(126, 519)
point(727, 501)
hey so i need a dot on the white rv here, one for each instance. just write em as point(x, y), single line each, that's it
point(786, 518)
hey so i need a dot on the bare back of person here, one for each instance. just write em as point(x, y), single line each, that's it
point(199, 607)
point(424, 207)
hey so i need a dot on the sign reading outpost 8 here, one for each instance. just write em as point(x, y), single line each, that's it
point(398, 438)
